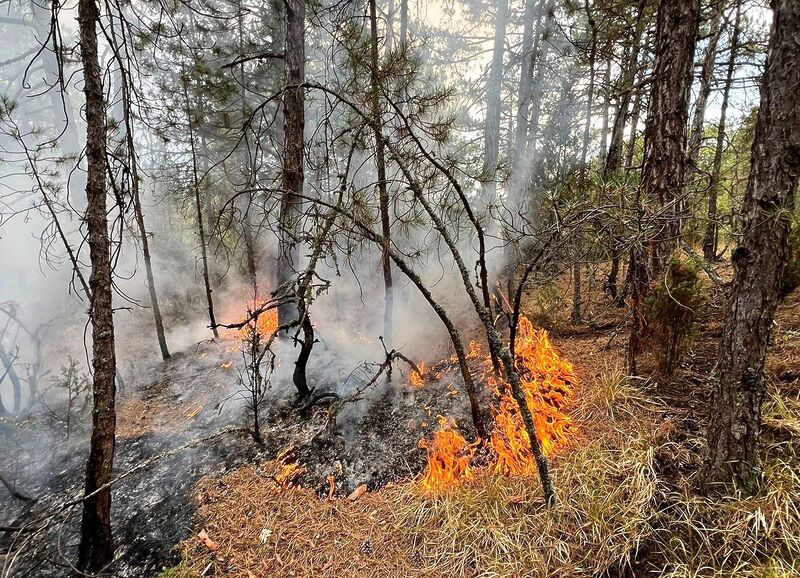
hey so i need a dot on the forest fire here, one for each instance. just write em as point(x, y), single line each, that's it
point(265, 324)
point(449, 457)
point(547, 380)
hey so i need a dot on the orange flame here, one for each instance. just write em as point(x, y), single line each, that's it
point(265, 324)
point(449, 457)
point(547, 380)
point(417, 380)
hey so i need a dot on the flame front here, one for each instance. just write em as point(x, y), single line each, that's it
point(416, 380)
point(547, 380)
point(265, 324)
point(449, 456)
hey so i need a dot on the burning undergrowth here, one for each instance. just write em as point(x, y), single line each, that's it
point(547, 380)
point(489, 522)
point(371, 433)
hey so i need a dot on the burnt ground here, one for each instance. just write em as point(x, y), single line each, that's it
point(192, 397)
point(370, 442)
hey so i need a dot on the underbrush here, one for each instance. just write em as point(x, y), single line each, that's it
point(615, 511)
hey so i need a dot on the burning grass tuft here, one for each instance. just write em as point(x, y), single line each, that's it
point(499, 526)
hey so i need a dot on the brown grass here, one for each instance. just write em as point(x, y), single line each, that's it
point(267, 529)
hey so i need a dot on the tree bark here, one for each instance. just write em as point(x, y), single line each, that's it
point(759, 261)
point(710, 237)
point(665, 147)
point(665, 132)
point(96, 548)
point(293, 149)
point(706, 77)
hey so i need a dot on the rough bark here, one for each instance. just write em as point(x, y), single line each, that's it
point(759, 261)
point(292, 177)
point(661, 185)
point(710, 236)
point(96, 548)
point(665, 132)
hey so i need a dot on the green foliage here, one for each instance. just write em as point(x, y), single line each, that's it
point(672, 311)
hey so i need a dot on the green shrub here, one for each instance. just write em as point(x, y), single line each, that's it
point(672, 311)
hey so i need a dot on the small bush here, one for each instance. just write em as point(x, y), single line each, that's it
point(672, 311)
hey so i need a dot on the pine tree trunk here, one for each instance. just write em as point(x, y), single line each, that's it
point(665, 147)
point(614, 157)
point(710, 237)
point(139, 215)
point(380, 159)
point(201, 232)
point(491, 131)
point(636, 111)
point(706, 77)
point(665, 132)
point(293, 150)
point(759, 261)
point(96, 548)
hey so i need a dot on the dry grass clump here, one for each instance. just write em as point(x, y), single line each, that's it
point(261, 528)
point(735, 535)
point(498, 526)
point(738, 535)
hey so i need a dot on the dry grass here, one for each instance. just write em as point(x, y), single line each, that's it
point(137, 417)
point(265, 529)
point(614, 510)
point(736, 535)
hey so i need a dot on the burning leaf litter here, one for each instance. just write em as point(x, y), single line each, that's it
point(547, 380)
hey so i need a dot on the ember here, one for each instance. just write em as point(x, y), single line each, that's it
point(547, 380)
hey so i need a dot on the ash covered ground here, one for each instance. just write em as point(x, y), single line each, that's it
point(183, 402)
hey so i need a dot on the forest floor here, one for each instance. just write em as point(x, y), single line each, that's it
point(627, 484)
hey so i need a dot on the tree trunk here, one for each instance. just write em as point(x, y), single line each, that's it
point(96, 548)
point(589, 94)
point(606, 107)
point(665, 133)
point(139, 214)
point(380, 159)
point(710, 237)
point(665, 147)
point(759, 261)
point(636, 111)
point(614, 157)
point(201, 233)
point(531, 28)
point(403, 23)
point(494, 85)
point(293, 149)
point(706, 77)
point(16, 386)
